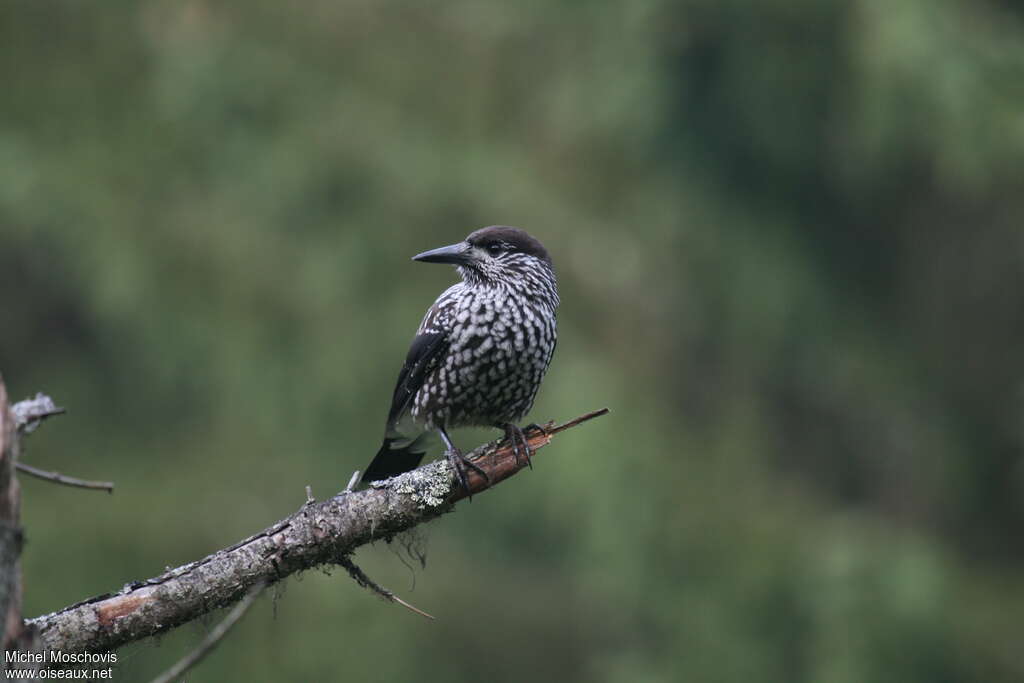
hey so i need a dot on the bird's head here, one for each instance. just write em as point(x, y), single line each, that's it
point(496, 254)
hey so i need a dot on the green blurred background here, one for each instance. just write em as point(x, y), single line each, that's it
point(788, 237)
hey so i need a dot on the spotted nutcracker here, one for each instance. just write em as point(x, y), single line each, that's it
point(480, 353)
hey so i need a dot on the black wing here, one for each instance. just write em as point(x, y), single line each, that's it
point(393, 458)
point(423, 353)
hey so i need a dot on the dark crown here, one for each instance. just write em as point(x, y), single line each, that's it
point(514, 238)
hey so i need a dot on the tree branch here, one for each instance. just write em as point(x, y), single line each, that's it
point(30, 413)
point(360, 577)
point(27, 416)
point(320, 533)
point(10, 530)
point(58, 478)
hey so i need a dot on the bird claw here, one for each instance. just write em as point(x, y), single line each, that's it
point(515, 436)
point(461, 464)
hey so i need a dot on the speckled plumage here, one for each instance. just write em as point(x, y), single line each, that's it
point(482, 349)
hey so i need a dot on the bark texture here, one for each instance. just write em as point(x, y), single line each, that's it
point(10, 530)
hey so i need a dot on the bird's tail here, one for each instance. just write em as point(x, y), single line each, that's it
point(396, 455)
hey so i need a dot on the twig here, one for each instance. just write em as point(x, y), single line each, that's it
point(579, 420)
point(58, 478)
point(360, 577)
point(353, 480)
point(309, 495)
point(212, 639)
point(28, 414)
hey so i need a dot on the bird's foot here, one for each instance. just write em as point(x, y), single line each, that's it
point(515, 436)
point(462, 465)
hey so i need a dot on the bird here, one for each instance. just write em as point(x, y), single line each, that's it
point(479, 355)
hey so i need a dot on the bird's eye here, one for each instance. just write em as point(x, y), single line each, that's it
point(494, 249)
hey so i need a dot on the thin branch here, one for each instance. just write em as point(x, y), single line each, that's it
point(577, 421)
point(360, 577)
point(322, 533)
point(58, 478)
point(212, 639)
point(30, 413)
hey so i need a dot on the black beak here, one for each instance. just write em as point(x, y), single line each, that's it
point(457, 254)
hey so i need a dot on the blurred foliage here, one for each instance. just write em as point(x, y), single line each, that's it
point(788, 235)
